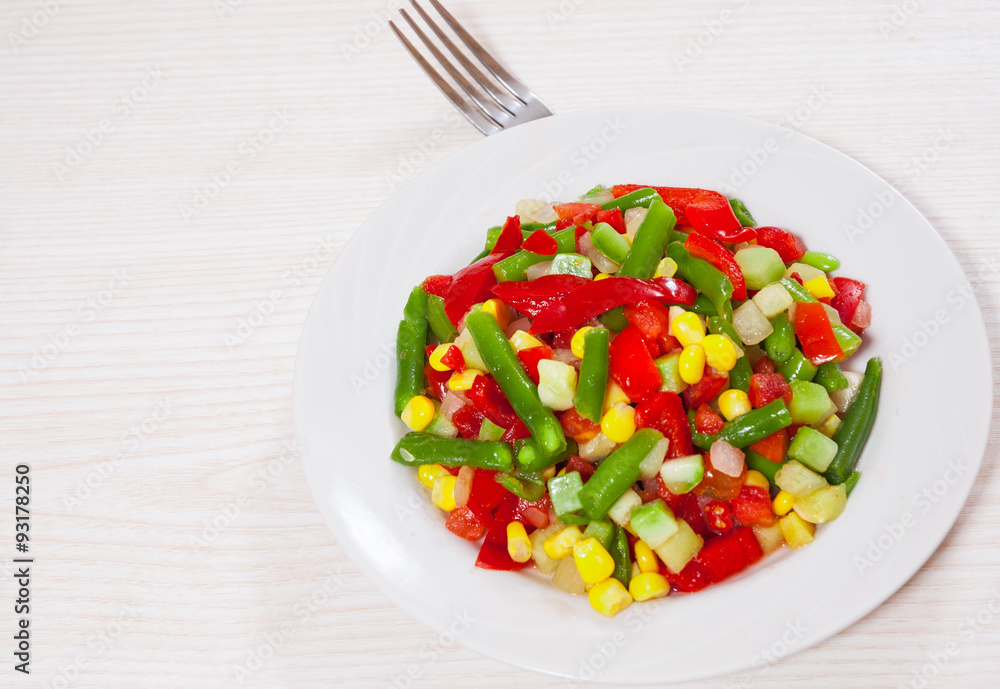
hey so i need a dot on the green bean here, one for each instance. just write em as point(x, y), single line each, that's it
point(639, 197)
point(415, 449)
point(780, 344)
point(742, 214)
point(527, 486)
point(797, 367)
point(848, 340)
point(857, 424)
point(593, 381)
point(851, 482)
point(798, 292)
point(824, 262)
point(411, 338)
point(614, 319)
point(756, 425)
point(703, 306)
point(623, 561)
point(705, 278)
point(502, 362)
point(720, 326)
point(607, 240)
point(531, 457)
point(831, 377)
point(603, 531)
point(764, 466)
point(442, 327)
point(513, 267)
point(649, 241)
point(739, 377)
point(617, 473)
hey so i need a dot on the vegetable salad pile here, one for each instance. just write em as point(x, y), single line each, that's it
point(638, 393)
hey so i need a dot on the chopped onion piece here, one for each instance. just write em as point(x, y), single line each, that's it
point(538, 518)
point(599, 197)
point(520, 324)
point(538, 270)
point(727, 459)
point(463, 485)
point(452, 402)
point(650, 466)
point(566, 356)
point(600, 261)
point(526, 209)
point(567, 577)
point(832, 314)
point(599, 447)
point(546, 214)
point(751, 325)
point(634, 218)
point(862, 317)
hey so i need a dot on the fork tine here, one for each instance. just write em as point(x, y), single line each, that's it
point(495, 68)
point(485, 125)
point(488, 108)
point(499, 95)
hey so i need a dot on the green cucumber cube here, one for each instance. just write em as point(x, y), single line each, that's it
point(813, 449)
point(654, 523)
point(621, 511)
point(564, 492)
point(490, 431)
point(810, 402)
point(603, 531)
point(760, 265)
point(823, 505)
point(681, 548)
point(682, 474)
point(670, 373)
point(571, 264)
point(798, 480)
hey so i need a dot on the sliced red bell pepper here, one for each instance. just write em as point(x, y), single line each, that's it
point(579, 213)
point(493, 554)
point(563, 339)
point(753, 506)
point(774, 447)
point(541, 242)
point(767, 387)
point(531, 298)
point(689, 580)
point(688, 509)
point(850, 293)
point(464, 523)
point(612, 217)
point(719, 516)
point(706, 389)
point(712, 216)
point(454, 359)
point(815, 332)
point(707, 421)
point(530, 358)
point(631, 365)
point(487, 397)
point(722, 258)
point(577, 463)
point(650, 317)
point(485, 496)
point(728, 554)
point(438, 380)
point(580, 429)
point(785, 243)
point(510, 237)
point(665, 413)
point(437, 285)
point(563, 224)
point(676, 197)
point(596, 297)
point(471, 285)
point(468, 420)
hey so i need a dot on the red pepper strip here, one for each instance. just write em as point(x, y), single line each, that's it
point(486, 494)
point(487, 397)
point(664, 412)
point(712, 216)
point(676, 197)
point(438, 382)
point(531, 356)
point(785, 243)
point(849, 295)
point(541, 242)
point(579, 213)
point(813, 328)
point(493, 554)
point(632, 367)
point(510, 237)
point(722, 258)
point(454, 359)
point(728, 554)
point(614, 218)
point(594, 298)
point(437, 285)
point(706, 389)
point(471, 285)
point(531, 298)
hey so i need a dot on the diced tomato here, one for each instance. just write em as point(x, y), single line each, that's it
point(719, 516)
point(728, 554)
point(437, 382)
point(541, 242)
point(485, 496)
point(850, 294)
point(612, 217)
point(767, 387)
point(664, 412)
point(785, 243)
point(632, 366)
point(774, 447)
point(464, 523)
point(510, 237)
point(577, 463)
point(577, 427)
point(652, 320)
point(706, 389)
point(764, 365)
point(468, 420)
point(454, 359)
point(563, 224)
point(487, 397)
point(717, 485)
point(531, 356)
point(689, 580)
point(688, 509)
point(564, 338)
point(516, 432)
point(579, 213)
point(437, 285)
point(648, 490)
point(707, 421)
point(537, 513)
point(753, 506)
point(493, 554)
point(668, 343)
point(815, 332)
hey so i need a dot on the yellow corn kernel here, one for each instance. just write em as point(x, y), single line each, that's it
point(594, 563)
point(819, 287)
point(619, 423)
point(720, 353)
point(691, 365)
point(609, 597)
point(464, 380)
point(443, 492)
point(666, 268)
point(756, 479)
point(428, 472)
point(733, 403)
point(796, 530)
point(518, 543)
point(549, 473)
point(688, 329)
point(435, 358)
point(783, 503)
point(646, 558)
point(522, 340)
point(499, 310)
point(560, 544)
point(601, 276)
point(614, 395)
point(830, 426)
point(417, 413)
point(648, 585)
point(576, 344)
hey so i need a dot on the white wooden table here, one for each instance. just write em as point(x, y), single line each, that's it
point(177, 177)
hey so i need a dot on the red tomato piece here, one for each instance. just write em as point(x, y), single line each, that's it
point(785, 243)
point(579, 213)
point(753, 506)
point(689, 580)
point(510, 237)
point(578, 428)
point(464, 523)
point(850, 294)
point(541, 242)
point(577, 463)
point(764, 365)
point(729, 554)
point(454, 359)
point(650, 317)
point(815, 332)
point(632, 366)
point(767, 387)
point(706, 389)
point(664, 412)
point(485, 496)
point(717, 485)
point(612, 217)
point(722, 258)
point(530, 358)
point(774, 447)
point(707, 421)
point(493, 554)
point(719, 516)
point(468, 420)
point(437, 285)
point(437, 382)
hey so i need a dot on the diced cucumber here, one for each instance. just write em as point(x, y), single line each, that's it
point(797, 367)
point(750, 324)
point(848, 340)
point(805, 272)
point(564, 492)
point(654, 523)
point(544, 563)
point(773, 299)
point(556, 384)
point(607, 240)
point(681, 548)
point(650, 466)
point(490, 431)
point(670, 374)
point(571, 264)
point(810, 402)
point(442, 426)
point(813, 449)
point(798, 480)
point(823, 505)
point(682, 474)
point(769, 537)
point(598, 447)
point(621, 511)
point(760, 265)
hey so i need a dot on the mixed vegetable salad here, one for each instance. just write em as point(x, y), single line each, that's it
point(639, 392)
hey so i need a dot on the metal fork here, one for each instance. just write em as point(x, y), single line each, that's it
point(497, 103)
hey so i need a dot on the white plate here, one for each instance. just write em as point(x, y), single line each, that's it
point(917, 469)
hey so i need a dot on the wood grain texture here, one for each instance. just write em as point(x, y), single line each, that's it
point(148, 411)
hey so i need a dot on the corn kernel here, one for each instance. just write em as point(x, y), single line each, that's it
point(428, 472)
point(601, 276)
point(688, 328)
point(464, 380)
point(797, 531)
point(609, 597)
point(593, 561)
point(618, 424)
point(830, 426)
point(646, 558)
point(435, 358)
point(666, 268)
point(499, 310)
point(783, 503)
point(443, 492)
point(720, 353)
point(757, 480)
point(549, 473)
point(518, 543)
point(560, 544)
point(576, 344)
point(733, 403)
point(691, 365)
point(418, 413)
point(648, 585)
point(522, 340)
point(614, 395)
point(819, 287)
